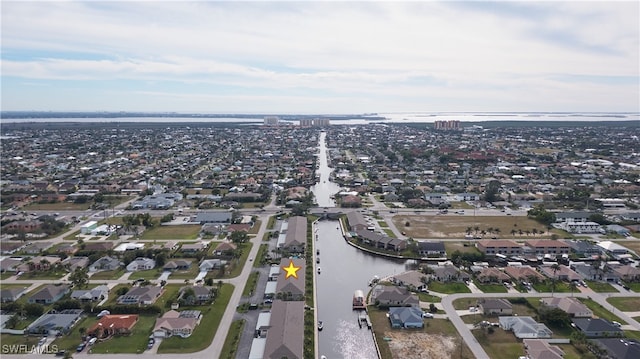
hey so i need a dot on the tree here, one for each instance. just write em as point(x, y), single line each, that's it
point(491, 191)
point(555, 268)
point(79, 277)
point(239, 236)
point(33, 309)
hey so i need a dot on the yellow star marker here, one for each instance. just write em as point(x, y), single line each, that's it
point(292, 271)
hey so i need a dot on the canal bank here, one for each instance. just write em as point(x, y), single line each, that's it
point(344, 269)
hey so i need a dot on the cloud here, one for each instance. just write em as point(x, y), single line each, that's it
point(475, 52)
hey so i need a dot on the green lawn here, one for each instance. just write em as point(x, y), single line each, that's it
point(188, 231)
point(110, 274)
point(632, 334)
point(151, 274)
point(424, 297)
point(250, 286)
point(600, 287)
point(233, 337)
point(491, 288)
point(204, 333)
point(635, 286)
point(72, 237)
point(600, 311)
point(259, 259)
point(630, 304)
point(500, 344)
point(52, 275)
point(448, 288)
point(134, 343)
point(560, 287)
point(9, 340)
point(236, 268)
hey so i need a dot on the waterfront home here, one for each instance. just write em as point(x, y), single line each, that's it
point(499, 246)
point(291, 288)
point(285, 337)
point(386, 296)
point(296, 236)
point(431, 249)
point(412, 280)
point(405, 317)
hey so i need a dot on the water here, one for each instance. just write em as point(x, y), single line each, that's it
point(344, 270)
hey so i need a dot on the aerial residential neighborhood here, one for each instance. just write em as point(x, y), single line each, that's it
point(140, 239)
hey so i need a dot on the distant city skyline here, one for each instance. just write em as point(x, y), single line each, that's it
point(320, 57)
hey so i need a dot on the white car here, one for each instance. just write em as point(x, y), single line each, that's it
point(427, 315)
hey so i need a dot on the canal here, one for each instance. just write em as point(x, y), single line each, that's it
point(344, 270)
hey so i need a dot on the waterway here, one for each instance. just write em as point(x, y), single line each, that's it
point(344, 269)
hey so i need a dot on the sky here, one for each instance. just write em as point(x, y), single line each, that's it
point(323, 57)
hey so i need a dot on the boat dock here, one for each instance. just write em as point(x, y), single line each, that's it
point(364, 318)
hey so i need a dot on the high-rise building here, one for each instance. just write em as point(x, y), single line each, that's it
point(450, 125)
point(271, 120)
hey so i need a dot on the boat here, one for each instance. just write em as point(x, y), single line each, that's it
point(374, 281)
point(358, 300)
point(320, 325)
point(318, 270)
point(317, 252)
point(318, 260)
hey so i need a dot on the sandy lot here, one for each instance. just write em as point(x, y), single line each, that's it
point(412, 345)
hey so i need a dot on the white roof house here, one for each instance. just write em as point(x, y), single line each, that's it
point(612, 247)
point(141, 263)
point(525, 327)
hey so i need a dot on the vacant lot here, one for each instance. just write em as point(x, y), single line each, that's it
point(625, 304)
point(188, 231)
point(450, 226)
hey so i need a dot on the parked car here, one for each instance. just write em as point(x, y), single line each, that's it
point(427, 315)
point(81, 347)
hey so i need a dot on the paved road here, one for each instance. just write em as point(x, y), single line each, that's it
point(476, 348)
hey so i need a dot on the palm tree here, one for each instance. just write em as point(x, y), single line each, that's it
point(573, 287)
point(555, 268)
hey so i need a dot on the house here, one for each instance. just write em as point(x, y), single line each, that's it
point(12, 294)
point(174, 323)
point(285, 338)
point(9, 264)
point(296, 236)
point(105, 263)
point(39, 263)
point(597, 327)
point(213, 217)
point(98, 246)
point(619, 348)
point(495, 306)
point(541, 349)
point(493, 275)
point(141, 295)
point(140, 264)
point(193, 247)
point(49, 294)
point(562, 273)
point(211, 264)
point(385, 296)
point(612, 248)
point(201, 294)
point(584, 248)
point(113, 324)
point(225, 249)
point(548, 246)
point(291, 288)
point(356, 221)
point(412, 280)
point(36, 247)
point(177, 264)
point(405, 317)
point(448, 273)
point(55, 322)
point(91, 295)
point(380, 241)
point(627, 272)
point(525, 327)
point(499, 246)
point(571, 306)
point(586, 270)
point(431, 249)
point(74, 263)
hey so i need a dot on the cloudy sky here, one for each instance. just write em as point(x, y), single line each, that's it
point(320, 57)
